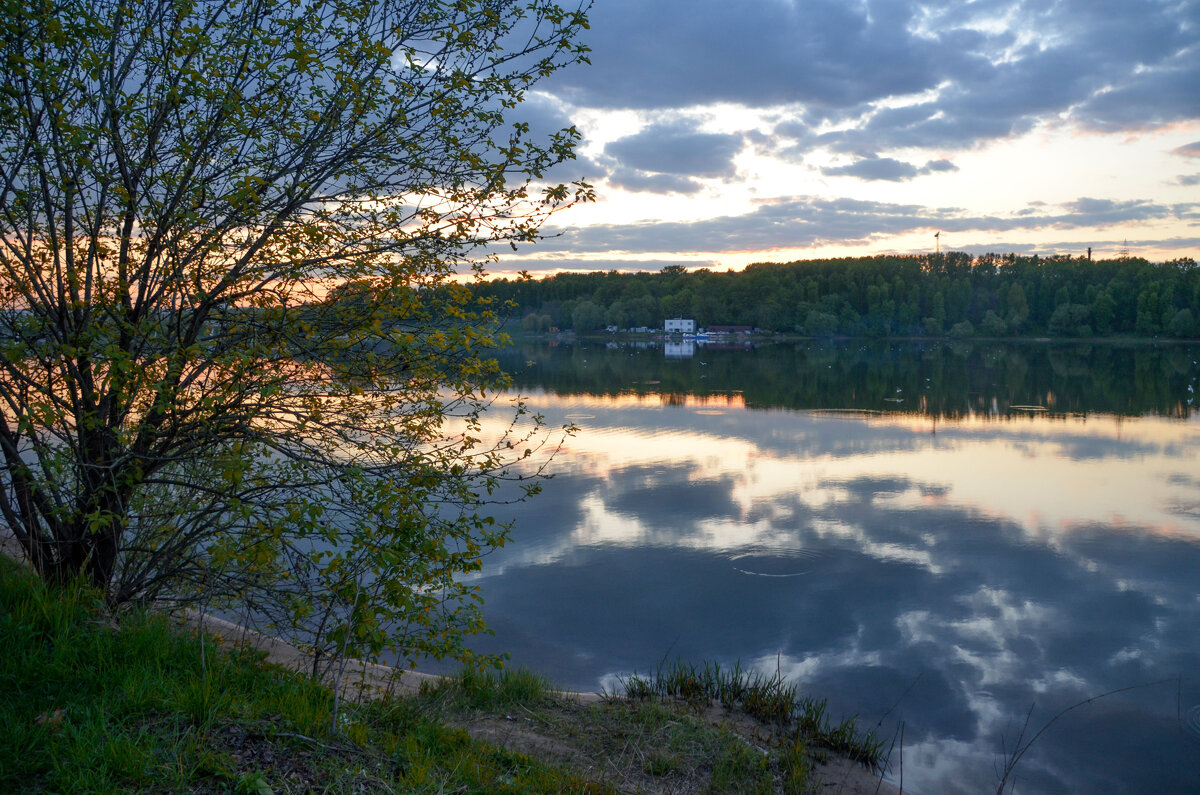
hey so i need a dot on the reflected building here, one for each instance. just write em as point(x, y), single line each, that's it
point(679, 350)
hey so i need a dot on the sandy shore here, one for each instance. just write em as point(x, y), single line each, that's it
point(837, 776)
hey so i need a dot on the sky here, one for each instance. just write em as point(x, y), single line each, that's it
point(721, 133)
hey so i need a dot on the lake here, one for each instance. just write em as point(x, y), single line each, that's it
point(953, 541)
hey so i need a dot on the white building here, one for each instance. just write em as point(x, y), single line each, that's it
point(680, 325)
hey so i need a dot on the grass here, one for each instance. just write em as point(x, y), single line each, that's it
point(685, 728)
point(797, 720)
point(91, 706)
point(645, 746)
point(91, 709)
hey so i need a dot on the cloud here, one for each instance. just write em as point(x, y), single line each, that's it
point(891, 89)
point(899, 73)
point(1188, 150)
point(939, 166)
point(670, 157)
point(874, 168)
point(678, 148)
point(1101, 248)
point(801, 222)
point(547, 115)
point(1161, 94)
point(1106, 212)
point(641, 181)
point(540, 265)
point(886, 168)
point(679, 54)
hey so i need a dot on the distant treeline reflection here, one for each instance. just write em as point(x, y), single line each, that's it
point(951, 379)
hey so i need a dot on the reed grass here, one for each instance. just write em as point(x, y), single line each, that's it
point(768, 698)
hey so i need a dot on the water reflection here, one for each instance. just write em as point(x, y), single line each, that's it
point(949, 379)
point(947, 571)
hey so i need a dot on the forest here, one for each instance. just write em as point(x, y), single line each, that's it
point(950, 294)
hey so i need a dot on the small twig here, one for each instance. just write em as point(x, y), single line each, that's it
point(898, 733)
point(907, 690)
point(1019, 750)
point(307, 739)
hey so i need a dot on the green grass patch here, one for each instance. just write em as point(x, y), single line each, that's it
point(798, 721)
point(491, 690)
point(91, 706)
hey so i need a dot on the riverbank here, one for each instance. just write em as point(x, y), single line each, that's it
point(146, 707)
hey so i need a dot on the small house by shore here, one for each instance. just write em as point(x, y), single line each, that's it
point(679, 325)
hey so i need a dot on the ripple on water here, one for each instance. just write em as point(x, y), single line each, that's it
point(775, 562)
point(1192, 721)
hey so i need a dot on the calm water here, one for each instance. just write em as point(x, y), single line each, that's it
point(949, 538)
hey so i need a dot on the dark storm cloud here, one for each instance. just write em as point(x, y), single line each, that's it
point(981, 70)
point(808, 221)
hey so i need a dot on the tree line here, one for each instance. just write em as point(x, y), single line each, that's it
point(951, 294)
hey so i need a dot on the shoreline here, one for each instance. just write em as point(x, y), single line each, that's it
point(362, 680)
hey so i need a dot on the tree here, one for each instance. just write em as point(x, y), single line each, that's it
point(587, 316)
point(1149, 308)
point(820, 324)
point(1104, 311)
point(1070, 320)
point(617, 314)
point(1018, 307)
point(1182, 324)
point(235, 361)
point(993, 325)
point(962, 328)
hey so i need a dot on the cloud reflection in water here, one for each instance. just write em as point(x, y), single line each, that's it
point(949, 579)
